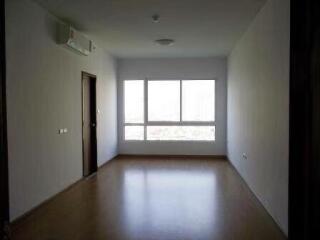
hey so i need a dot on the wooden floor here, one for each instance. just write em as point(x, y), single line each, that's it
point(153, 198)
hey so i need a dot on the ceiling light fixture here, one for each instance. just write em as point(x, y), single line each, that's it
point(165, 41)
point(155, 18)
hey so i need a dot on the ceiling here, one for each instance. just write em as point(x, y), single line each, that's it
point(201, 28)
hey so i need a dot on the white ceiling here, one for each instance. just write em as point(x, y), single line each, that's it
point(201, 28)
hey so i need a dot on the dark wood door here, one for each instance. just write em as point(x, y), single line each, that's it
point(89, 124)
point(304, 184)
point(4, 199)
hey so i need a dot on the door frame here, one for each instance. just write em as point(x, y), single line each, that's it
point(4, 181)
point(304, 133)
point(95, 155)
point(304, 140)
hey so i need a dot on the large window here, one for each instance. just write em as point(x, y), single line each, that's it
point(134, 109)
point(164, 101)
point(133, 101)
point(169, 110)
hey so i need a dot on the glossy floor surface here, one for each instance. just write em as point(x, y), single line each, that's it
point(153, 198)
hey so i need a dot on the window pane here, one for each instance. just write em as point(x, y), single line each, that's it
point(198, 100)
point(134, 133)
point(133, 101)
point(181, 133)
point(164, 100)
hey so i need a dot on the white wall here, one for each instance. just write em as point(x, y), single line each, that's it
point(44, 94)
point(183, 68)
point(258, 108)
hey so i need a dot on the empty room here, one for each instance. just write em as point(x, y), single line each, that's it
point(159, 120)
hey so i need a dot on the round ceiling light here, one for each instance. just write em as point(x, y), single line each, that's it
point(156, 18)
point(165, 41)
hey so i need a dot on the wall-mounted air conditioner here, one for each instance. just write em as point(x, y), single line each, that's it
point(73, 39)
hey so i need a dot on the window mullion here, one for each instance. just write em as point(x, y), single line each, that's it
point(145, 107)
point(180, 100)
point(162, 123)
point(134, 124)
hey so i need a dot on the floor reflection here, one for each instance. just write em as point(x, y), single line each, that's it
point(167, 201)
point(142, 198)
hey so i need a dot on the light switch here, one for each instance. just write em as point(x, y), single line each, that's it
point(65, 130)
point(60, 131)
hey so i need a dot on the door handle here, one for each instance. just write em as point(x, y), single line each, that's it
point(93, 124)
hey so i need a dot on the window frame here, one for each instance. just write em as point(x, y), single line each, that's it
point(168, 123)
